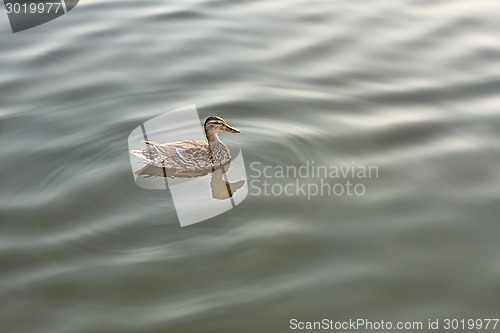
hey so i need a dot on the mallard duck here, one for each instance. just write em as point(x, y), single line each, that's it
point(190, 158)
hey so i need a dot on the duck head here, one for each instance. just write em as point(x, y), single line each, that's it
point(214, 124)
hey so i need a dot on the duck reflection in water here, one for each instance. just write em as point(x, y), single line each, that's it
point(220, 187)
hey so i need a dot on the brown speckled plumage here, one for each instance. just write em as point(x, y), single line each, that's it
point(190, 158)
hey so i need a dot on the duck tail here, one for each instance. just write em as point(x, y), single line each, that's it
point(140, 154)
point(144, 153)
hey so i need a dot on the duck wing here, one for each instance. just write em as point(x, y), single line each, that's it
point(185, 154)
point(183, 149)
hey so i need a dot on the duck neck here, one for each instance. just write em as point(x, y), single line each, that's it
point(218, 149)
point(212, 137)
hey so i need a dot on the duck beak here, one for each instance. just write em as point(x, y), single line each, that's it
point(230, 129)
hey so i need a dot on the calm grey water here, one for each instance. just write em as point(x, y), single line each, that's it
point(409, 86)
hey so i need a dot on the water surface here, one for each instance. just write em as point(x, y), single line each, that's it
point(411, 87)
